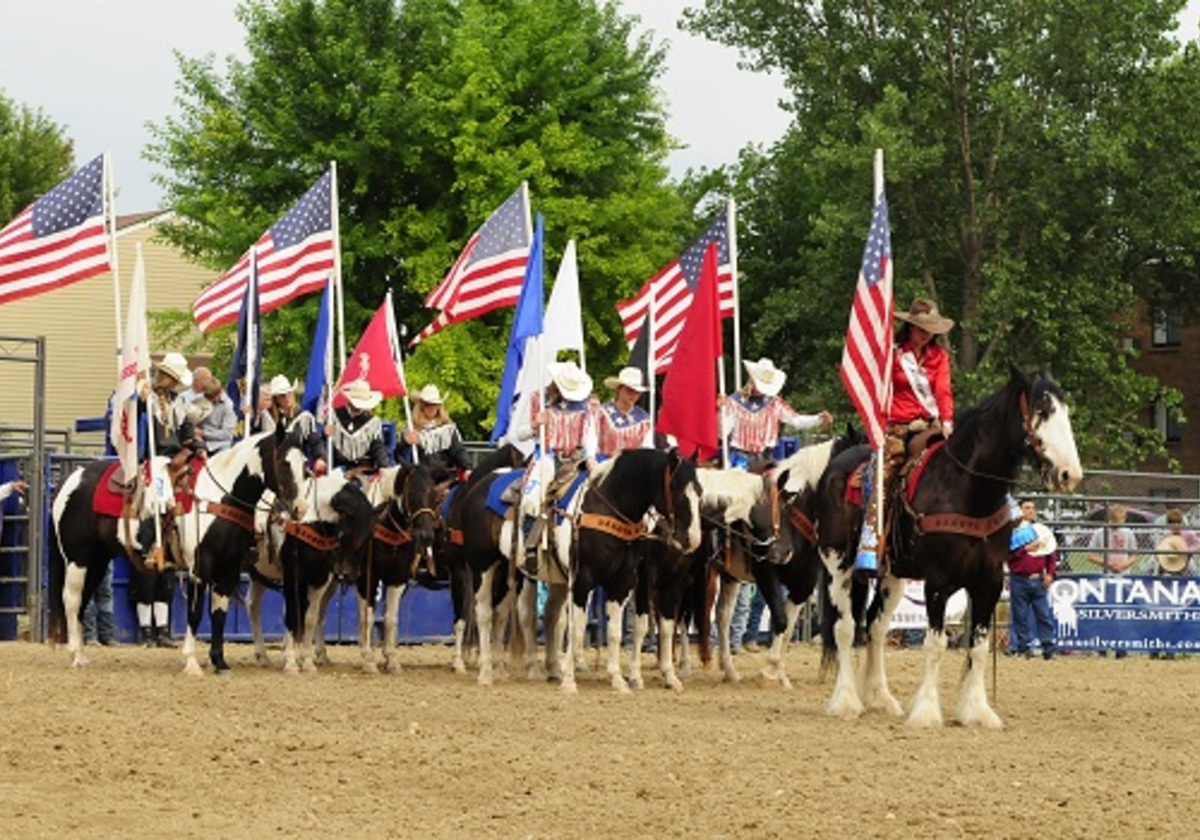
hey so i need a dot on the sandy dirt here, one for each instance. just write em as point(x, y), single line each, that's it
point(130, 747)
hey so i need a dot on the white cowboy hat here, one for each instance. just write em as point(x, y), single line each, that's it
point(280, 385)
point(924, 314)
point(360, 395)
point(572, 383)
point(630, 377)
point(1046, 543)
point(767, 378)
point(175, 366)
point(430, 395)
point(1176, 562)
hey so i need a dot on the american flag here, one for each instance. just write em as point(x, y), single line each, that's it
point(674, 287)
point(867, 357)
point(57, 240)
point(490, 270)
point(295, 257)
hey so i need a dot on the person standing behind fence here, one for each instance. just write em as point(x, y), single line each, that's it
point(1032, 569)
point(1176, 560)
point(1119, 541)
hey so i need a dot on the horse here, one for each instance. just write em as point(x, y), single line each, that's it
point(84, 542)
point(601, 533)
point(217, 537)
point(951, 530)
point(405, 527)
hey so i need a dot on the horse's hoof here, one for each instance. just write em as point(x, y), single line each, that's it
point(675, 685)
point(984, 719)
point(321, 658)
point(486, 679)
point(925, 718)
point(261, 660)
point(581, 666)
point(80, 661)
point(569, 687)
point(458, 667)
point(845, 707)
point(370, 667)
point(620, 686)
point(685, 671)
point(192, 668)
point(394, 666)
point(554, 678)
point(732, 677)
point(291, 668)
point(636, 683)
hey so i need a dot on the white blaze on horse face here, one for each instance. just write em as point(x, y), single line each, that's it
point(1058, 446)
point(692, 495)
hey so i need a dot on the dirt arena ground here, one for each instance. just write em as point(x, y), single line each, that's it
point(130, 747)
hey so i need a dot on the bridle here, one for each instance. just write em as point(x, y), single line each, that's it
point(635, 530)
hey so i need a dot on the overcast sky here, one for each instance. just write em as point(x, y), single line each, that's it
point(103, 70)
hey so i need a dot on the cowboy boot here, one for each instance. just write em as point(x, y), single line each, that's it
point(162, 638)
point(147, 637)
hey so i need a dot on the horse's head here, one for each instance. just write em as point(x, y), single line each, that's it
point(1048, 430)
point(283, 465)
point(772, 541)
point(416, 494)
point(679, 499)
point(356, 517)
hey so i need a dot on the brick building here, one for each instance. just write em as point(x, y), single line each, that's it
point(1169, 350)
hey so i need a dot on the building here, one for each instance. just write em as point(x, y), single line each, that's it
point(79, 323)
point(1169, 350)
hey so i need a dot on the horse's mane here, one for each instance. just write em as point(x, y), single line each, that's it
point(999, 401)
point(804, 466)
point(731, 492)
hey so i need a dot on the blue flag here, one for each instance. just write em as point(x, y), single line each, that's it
point(246, 372)
point(527, 322)
point(320, 360)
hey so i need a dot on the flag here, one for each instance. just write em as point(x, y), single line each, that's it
point(134, 362)
point(564, 315)
point(295, 257)
point(245, 376)
point(320, 359)
point(526, 326)
point(58, 240)
point(489, 272)
point(673, 287)
point(689, 395)
point(867, 357)
point(374, 358)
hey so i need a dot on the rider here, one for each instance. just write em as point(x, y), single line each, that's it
point(922, 399)
point(285, 411)
point(752, 416)
point(437, 439)
point(621, 423)
point(356, 432)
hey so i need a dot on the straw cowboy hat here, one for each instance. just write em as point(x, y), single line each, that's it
point(176, 367)
point(430, 395)
point(572, 383)
point(1176, 562)
point(630, 377)
point(924, 314)
point(768, 379)
point(360, 395)
point(280, 385)
point(1046, 543)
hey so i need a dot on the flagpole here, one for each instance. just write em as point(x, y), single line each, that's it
point(110, 215)
point(338, 290)
point(878, 489)
point(398, 353)
point(737, 313)
point(652, 363)
point(251, 344)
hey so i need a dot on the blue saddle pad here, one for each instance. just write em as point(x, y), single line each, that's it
point(502, 483)
point(565, 502)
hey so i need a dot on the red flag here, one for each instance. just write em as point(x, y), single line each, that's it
point(57, 240)
point(867, 357)
point(673, 288)
point(689, 395)
point(374, 360)
point(295, 257)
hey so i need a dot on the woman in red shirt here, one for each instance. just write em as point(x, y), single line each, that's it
point(922, 398)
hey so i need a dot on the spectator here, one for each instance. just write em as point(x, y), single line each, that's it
point(212, 412)
point(98, 624)
point(1177, 560)
point(1032, 568)
point(1112, 546)
point(17, 485)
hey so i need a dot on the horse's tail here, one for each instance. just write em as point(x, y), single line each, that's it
point(57, 630)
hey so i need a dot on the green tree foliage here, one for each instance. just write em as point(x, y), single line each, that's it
point(435, 111)
point(34, 156)
point(1043, 176)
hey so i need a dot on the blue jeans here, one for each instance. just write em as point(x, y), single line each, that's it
point(741, 615)
point(1030, 613)
point(98, 617)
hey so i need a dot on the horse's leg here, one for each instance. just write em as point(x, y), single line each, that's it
point(555, 630)
point(72, 606)
point(575, 643)
point(641, 626)
point(973, 707)
point(927, 706)
point(685, 651)
point(195, 609)
point(254, 599)
point(527, 626)
point(320, 654)
point(391, 617)
point(845, 702)
point(460, 596)
point(615, 610)
point(774, 669)
point(483, 621)
point(666, 651)
point(503, 600)
point(875, 691)
point(313, 616)
point(725, 603)
point(366, 626)
point(218, 610)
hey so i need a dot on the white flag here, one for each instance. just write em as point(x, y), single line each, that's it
point(135, 360)
point(564, 316)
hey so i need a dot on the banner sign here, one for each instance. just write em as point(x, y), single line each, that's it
point(911, 612)
point(1134, 613)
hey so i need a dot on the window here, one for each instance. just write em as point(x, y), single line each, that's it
point(1168, 327)
point(1166, 422)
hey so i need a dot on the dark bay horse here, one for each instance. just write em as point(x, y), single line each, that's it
point(969, 478)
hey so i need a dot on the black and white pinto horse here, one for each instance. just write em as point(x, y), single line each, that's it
point(968, 478)
point(402, 538)
point(84, 542)
point(602, 532)
point(217, 538)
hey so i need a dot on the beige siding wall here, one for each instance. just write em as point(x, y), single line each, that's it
point(79, 324)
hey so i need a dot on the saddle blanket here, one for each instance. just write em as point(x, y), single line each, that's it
point(914, 476)
point(448, 501)
point(564, 502)
point(495, 503)
point(105, 502)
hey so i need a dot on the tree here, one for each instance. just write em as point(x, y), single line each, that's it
point(34, 156)
point(1041, 177)
point(435, 110)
